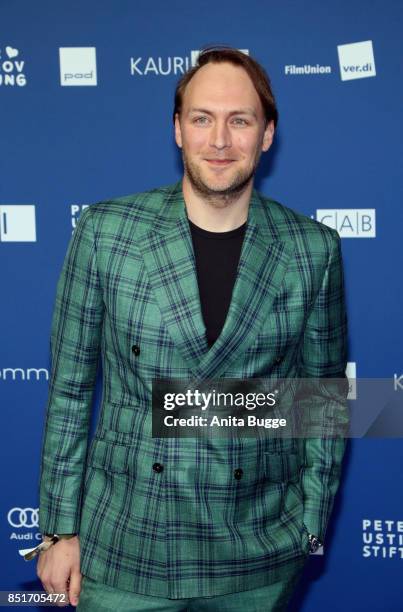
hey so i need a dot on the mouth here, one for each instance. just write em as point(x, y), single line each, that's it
point(220, 162)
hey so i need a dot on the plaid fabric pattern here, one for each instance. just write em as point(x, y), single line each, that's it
point(128, 295)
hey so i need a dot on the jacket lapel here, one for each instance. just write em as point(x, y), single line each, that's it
point(168, 255)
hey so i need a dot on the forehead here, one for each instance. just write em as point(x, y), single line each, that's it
point(221, 86)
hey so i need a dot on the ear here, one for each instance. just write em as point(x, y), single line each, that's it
point(178, 131)
point(268, 136)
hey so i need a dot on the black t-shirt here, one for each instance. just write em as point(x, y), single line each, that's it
point(217, 257)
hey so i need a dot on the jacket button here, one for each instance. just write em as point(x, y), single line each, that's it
point(136, 349)
point(238, 473)
point(278, 360)
point(157, 467)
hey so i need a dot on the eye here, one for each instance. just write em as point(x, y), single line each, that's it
point(240, 121)
point(202, 120)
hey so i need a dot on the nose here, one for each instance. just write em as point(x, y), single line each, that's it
point(220, 135)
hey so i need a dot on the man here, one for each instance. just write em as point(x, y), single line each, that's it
point(202, 279)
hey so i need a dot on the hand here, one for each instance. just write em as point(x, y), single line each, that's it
point(59, 570)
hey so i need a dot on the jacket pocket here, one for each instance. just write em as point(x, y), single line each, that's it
point(282, 467)
point(113, 458)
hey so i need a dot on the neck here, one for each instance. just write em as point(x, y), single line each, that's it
point(216, 213)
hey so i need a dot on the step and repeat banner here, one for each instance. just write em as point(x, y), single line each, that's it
point(86, 100)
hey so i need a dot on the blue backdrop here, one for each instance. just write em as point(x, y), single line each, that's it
point(86, 93)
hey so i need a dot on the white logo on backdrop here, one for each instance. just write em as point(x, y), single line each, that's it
point(23, 517)
point(164, 66)
point(382, 539)
point(21, 374)
point(292, 69)
point(17, 223)
point(356, 60)
point(12, 68)
point(349, 222)
point(161, 66)
point(78, 66)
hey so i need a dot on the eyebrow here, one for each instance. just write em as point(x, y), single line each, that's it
point(239, 111)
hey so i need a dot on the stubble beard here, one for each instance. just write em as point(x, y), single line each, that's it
point(218, 197)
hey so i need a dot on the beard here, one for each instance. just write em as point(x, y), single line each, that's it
point(218, 196)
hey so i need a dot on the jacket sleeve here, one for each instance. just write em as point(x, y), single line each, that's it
point(325, 408)
point(74, 343)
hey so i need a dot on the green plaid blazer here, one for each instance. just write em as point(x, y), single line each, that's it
point(128, 294)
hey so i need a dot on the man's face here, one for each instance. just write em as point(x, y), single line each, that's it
point(222, 130)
